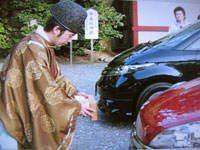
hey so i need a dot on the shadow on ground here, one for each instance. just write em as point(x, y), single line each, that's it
point(116, 119)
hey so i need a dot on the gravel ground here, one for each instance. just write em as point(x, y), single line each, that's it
point(108, 133)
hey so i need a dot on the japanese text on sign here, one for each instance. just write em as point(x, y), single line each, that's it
point(92, 25)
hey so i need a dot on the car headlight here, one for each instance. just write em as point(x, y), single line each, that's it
point(129, 68)
point(183, 136)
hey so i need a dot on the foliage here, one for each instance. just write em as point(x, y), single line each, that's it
point(16, 23)
point(109, 21)
point(4, 40)
point(37, 9)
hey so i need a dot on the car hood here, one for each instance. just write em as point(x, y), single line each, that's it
point(143, 53)
point(176, 106)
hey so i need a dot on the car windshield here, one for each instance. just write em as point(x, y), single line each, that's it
point(174, 39)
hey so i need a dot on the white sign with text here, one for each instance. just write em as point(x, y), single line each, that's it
point(92, 24)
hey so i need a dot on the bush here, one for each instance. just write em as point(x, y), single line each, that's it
point(15, 17)
point(109, 21)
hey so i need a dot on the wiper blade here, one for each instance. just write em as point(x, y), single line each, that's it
point(149, 43)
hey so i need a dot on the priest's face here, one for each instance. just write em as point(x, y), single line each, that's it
point(64, 38)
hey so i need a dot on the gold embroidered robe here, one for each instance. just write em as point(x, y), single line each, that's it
point(37, 105)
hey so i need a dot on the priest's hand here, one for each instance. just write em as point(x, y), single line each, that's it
point(85, 106)
point(86, 110)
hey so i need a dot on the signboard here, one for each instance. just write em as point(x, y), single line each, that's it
point(92, 24)
point(75, 37)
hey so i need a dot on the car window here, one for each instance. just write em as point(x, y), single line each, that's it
point(194, 46)
point(165, 38)
point(175, 39)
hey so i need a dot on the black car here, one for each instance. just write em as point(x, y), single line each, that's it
point(138, 73)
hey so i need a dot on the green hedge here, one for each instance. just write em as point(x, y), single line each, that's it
point(15, 17)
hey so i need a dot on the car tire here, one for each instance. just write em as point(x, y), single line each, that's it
point(150, 91)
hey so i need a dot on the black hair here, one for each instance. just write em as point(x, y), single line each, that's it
point(179, 9)
point(51, 23)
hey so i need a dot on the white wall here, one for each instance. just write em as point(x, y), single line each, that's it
point(160, 13)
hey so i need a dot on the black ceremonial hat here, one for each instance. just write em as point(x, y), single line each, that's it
point(69, 14)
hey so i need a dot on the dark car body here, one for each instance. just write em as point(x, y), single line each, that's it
point(170, 120)
point(142, 71)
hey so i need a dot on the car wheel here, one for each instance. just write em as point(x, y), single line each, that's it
point(151, 91)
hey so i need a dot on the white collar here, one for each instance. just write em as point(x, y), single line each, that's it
point(40, 31)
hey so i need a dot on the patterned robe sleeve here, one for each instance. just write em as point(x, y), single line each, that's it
point(53, 75)
point(65, 83)
point(37, 106)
